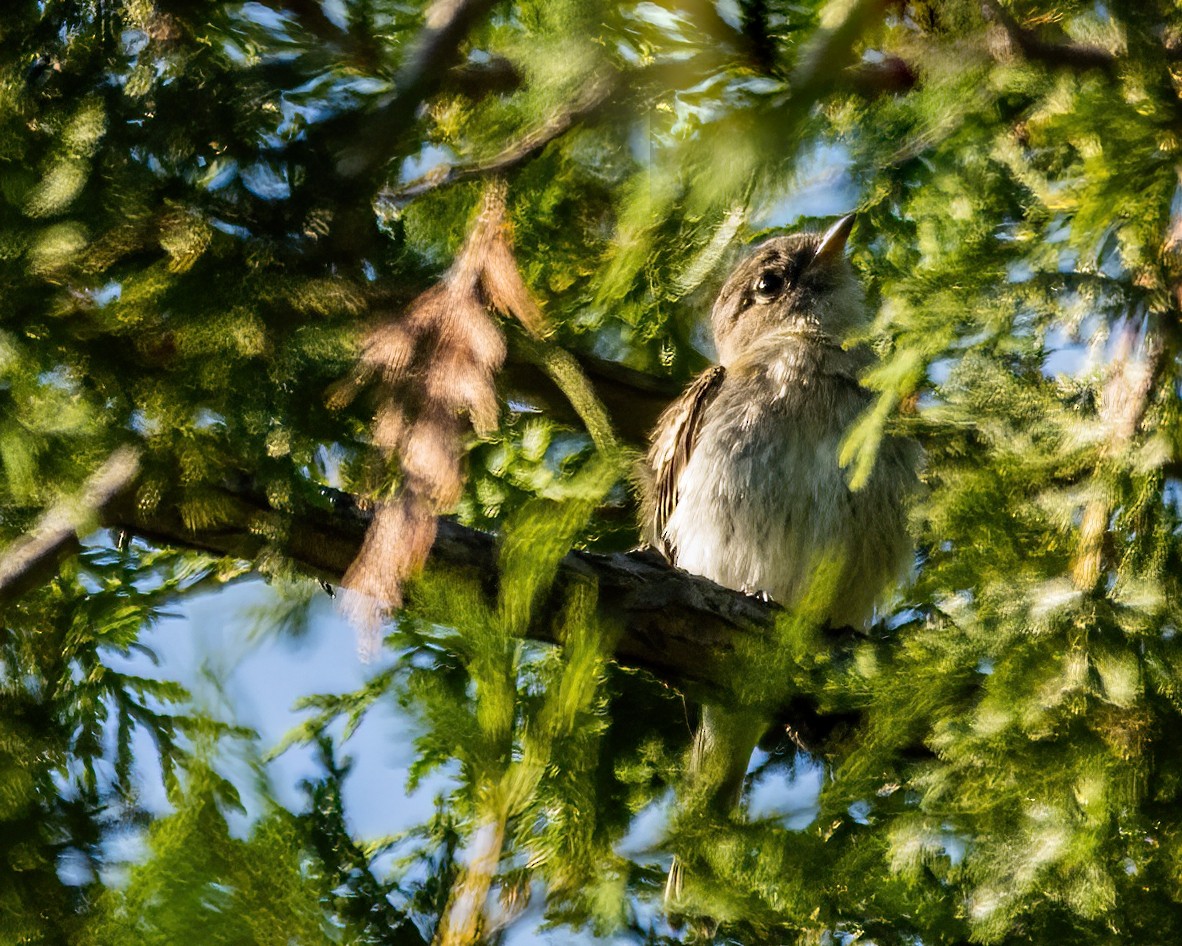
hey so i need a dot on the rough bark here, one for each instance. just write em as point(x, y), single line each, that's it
point(680, 627)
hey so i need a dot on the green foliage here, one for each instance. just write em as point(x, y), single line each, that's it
point(204, 204)
point(68, 717)
point(201, 884)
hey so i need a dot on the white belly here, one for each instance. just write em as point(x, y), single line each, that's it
point(763, 506)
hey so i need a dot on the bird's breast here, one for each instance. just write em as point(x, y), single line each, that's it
point(763, 502)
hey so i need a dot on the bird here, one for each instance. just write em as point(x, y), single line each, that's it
point(742, 482)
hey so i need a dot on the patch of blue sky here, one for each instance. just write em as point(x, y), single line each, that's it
point(269, 18)
point(337, 11)
point(220, 173)
point(661, 17)
point(822, 186)
point(255, 681)
point(106, 294)
point(646, 832)
point(789, 794)
point(233, 229)
point(58, 377)
point(430, 158)
point(266, 181)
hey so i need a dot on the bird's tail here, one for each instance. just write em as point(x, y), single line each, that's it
point(713, 784)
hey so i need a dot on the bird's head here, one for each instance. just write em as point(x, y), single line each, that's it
point(796, 283)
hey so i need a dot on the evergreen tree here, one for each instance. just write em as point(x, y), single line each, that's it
point(284, 281)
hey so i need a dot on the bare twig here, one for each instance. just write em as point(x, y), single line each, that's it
point(476, 80)
point(427, 63)
point(891, 75)
point(632, 399)
point(823, 58)
point(753, 16)
point(311, 17)
point(869, 79)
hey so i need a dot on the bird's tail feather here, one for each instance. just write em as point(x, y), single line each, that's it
point(713, 785)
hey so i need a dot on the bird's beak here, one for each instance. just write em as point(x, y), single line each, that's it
point(833, 242)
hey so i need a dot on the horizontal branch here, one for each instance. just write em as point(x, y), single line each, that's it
point(891, 75)
point(681, 628)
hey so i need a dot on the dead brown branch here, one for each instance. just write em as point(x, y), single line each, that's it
point(433, 368)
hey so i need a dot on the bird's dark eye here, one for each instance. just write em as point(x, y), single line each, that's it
point(767, 285)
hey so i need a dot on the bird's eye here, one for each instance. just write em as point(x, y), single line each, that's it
point(768, 285)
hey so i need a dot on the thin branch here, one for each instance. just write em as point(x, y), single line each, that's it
point(563, 369)
point(55, 536)
point(477, 80)
point(890, 75)
point(434, 52)
point(753, 16)
point(1061, 55)
point(632, 399)
point(311, 17)
point(822, 60)
point(597, 92)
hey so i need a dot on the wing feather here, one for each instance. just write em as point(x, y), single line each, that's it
point(673, 443)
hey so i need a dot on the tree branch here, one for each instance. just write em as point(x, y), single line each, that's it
point(55, 537)
point(434, 52)
point(1032, 47)
point(597, 92)
point(890, 75)
point(311, 17)
point(681, 628)
point(633, 400)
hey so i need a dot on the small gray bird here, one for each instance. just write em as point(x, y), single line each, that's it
point(744, 485)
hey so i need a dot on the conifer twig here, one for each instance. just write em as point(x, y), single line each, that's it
point(632, 399)
point(1132, 378)
point(564, 370)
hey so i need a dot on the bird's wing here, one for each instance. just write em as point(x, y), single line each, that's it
point(673, 443)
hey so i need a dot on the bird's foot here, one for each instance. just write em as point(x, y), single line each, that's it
point(758, 594)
